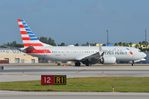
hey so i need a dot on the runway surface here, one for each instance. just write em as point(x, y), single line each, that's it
point(71, 95)
point(23, 73)
point(75, 97)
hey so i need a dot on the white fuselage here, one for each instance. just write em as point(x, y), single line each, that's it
point(72, 53)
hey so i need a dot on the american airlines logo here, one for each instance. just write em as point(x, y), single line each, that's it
point(130, 52)
point(118, 52)
point(115, 53)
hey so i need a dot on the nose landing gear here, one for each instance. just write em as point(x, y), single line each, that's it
point(132, 63)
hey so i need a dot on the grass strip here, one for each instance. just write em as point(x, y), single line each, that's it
point(94, 84)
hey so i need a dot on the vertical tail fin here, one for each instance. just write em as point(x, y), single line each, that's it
point(28, 37)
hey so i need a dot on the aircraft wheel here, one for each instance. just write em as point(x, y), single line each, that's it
point(132, 63)
point(77, 63)
point(87, 63)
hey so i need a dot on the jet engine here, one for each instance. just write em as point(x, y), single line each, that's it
point(108, 60)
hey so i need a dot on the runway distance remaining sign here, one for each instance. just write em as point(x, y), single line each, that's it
point(53, 79)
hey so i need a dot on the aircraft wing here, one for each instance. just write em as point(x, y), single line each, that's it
point(93, 58)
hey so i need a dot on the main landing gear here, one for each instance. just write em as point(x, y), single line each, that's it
point(86, 62)
point(77, 63)
point(132, 63)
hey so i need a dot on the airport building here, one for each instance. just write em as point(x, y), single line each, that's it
point(8, 55)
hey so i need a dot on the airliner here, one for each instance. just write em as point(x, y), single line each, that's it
point(86, 55)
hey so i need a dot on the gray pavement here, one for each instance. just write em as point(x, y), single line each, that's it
point(23, 73)
point(71, 95)
point(75, 97)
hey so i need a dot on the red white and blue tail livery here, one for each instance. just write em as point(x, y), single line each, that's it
point(30, 40)
point(81, 54)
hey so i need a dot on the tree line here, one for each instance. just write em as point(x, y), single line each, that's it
point(144, 45)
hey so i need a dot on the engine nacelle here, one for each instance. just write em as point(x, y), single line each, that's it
point(108, 60)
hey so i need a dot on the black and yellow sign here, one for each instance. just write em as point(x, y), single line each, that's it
point(53, 79)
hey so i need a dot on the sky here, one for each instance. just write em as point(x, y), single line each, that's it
point(76, 21)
